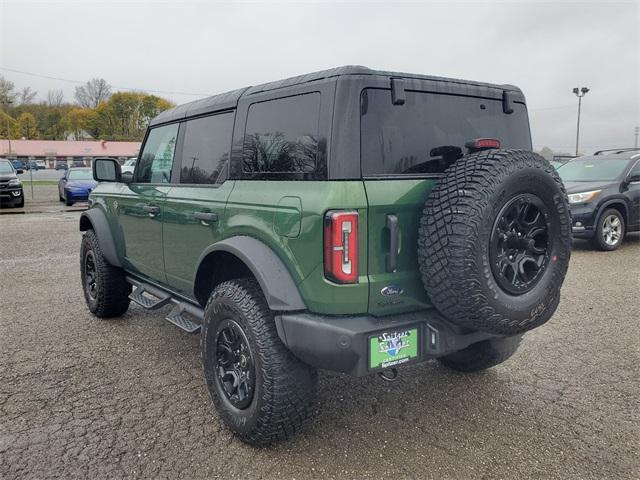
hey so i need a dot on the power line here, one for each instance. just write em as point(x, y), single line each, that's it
point(68, 80)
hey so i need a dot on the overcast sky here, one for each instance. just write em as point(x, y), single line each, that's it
point(206, 48)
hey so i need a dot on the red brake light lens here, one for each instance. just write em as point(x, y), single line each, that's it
point(341, 246)
point(483, 144)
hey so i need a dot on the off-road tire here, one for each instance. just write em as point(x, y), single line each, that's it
point(112, 292)
point(284, 394)
point(454, 236)
point(598, 240)
point(482, 355)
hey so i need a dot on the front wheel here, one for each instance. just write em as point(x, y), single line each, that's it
point(482, 355)
point(262, 392)
point(610, 230)
point(105, 287)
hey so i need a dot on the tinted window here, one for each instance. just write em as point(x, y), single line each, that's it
point(282, 135)
point(429, 132)
point(157, 157)
point(205, 153)
point(592, 169)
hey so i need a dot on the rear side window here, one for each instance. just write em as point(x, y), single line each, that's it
point(205, 153)
point(429, 132)
point(156, 160)
point(281, 135)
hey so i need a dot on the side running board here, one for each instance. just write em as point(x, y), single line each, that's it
point(185, 315)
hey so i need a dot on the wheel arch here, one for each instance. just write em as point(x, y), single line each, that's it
point(617, 204)
point(241, 256)
point(96, 220)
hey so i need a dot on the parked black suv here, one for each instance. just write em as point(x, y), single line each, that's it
point(10, 186)
point(604, 195)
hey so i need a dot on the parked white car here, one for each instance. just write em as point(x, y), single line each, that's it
point(129, 165)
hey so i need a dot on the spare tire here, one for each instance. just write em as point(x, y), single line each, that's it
point(494, 241)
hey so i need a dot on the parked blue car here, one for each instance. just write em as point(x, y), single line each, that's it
point(19, 165)
point(76, 185)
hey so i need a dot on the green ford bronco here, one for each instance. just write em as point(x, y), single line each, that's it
point(350, 220)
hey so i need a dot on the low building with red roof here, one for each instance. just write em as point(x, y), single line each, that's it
point(53, 151)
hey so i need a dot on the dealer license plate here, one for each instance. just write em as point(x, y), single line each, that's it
point(394, 347)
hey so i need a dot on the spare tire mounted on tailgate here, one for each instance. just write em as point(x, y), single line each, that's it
point(495, 240)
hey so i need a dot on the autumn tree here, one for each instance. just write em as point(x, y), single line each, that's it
point(92, 93)
point(8, 126)
point(7, 92)
point(27, 126)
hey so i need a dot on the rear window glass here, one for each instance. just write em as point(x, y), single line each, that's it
point(429, 132)
point(282, 135)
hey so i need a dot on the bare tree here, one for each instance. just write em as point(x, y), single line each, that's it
point(93, 92)
point(7, 94)
point(27, 95)
point(55, 98)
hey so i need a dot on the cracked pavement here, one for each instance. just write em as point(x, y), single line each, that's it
point(125, 398)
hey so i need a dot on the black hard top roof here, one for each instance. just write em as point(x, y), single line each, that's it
point(230, 99)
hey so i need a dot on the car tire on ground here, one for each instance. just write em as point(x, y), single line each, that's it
point(105, 287)
point(482, 355)
point(262, 392)
point(610, 230)
point(495, 240)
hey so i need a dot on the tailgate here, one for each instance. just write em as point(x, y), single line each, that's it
point(395, 205)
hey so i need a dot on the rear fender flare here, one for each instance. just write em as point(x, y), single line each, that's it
point(271, 273)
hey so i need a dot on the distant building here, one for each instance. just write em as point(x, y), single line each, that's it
point(56, 151)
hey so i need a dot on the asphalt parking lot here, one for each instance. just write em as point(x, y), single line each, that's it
point(125, 398)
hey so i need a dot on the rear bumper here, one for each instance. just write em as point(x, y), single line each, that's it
point(341, 344)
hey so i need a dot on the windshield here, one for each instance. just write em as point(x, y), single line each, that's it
point(429, 131)
point(592, 170)
point(6, 167)
point(84, 174)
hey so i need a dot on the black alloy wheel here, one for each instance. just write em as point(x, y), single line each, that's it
point(90, 275)
point(234, 364)
point(519, 247)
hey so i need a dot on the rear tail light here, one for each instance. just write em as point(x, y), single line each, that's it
point(482, 144)
point(341, 246)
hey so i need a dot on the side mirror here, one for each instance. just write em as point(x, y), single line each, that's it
point(19, 171)
point(106, 170)
point(127, 177)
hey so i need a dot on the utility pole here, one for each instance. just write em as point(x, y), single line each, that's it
point(579, 92)
point(637, 130)
point(9, 102)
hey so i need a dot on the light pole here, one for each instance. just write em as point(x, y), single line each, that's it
point(580, 92)
point(637, 131)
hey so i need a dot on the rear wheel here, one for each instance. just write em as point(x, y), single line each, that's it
point(495, 240)
point(262, 392)
point(105, 287)
point(482, 355)
point(610, 230)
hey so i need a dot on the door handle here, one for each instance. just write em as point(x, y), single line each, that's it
point(394, 243)
point(206, 216)
point(152, 210)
